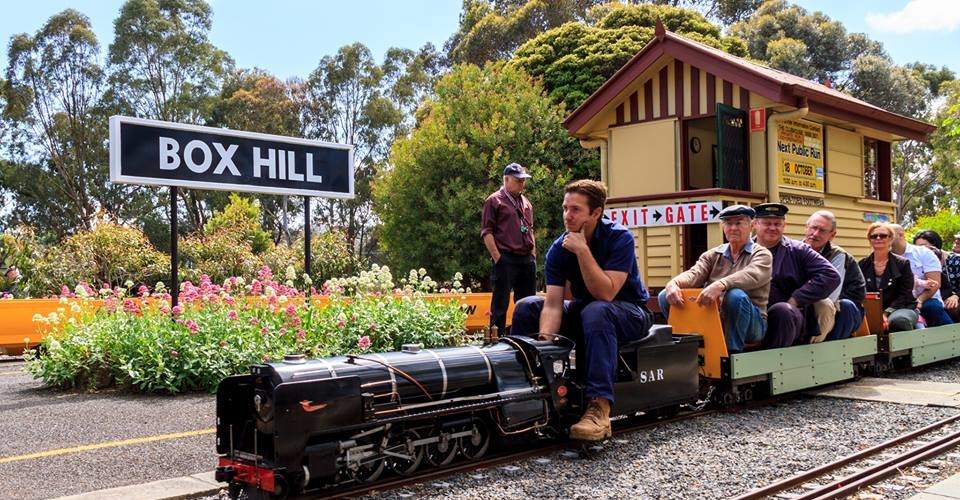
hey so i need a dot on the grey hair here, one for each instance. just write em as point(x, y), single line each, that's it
point(826, 214)
point(897, 228)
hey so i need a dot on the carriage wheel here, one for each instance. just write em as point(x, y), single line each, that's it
point(442, 452)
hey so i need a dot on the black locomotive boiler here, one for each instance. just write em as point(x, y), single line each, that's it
point(300, 425)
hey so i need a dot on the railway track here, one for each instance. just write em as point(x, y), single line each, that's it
point(491, 461)
point(847, 475)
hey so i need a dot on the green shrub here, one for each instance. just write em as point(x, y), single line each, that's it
point(221, 330)
point(18, 248)
point(108, 253)
point(242, 218)
point(945, 222)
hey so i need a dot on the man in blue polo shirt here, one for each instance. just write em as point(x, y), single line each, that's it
point(594, 264)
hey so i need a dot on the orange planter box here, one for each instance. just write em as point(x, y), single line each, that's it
point(18, 330)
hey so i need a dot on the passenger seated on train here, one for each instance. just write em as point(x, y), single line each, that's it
point(926, 276)
point(932, 241)
point(890, 274)
point(800, 277)
point(951, 268)
point(840, 314)
point(737, 274)
point(593, 263)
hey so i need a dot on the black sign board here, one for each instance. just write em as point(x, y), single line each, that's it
point(160, 153)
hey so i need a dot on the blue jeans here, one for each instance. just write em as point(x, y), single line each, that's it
point(848, 319)
point(741, 318)
point(600, 326)
point(934, 314)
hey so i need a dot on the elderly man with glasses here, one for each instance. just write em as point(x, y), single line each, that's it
point(840, 314)
point(801, 277)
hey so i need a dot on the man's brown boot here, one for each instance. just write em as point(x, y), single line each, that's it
point(595, 424)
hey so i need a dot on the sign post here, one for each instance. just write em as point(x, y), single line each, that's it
point(157, 153)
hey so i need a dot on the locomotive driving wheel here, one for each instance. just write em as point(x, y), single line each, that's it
point(370, 468)
point(403, 456)
point(477, 443)
point(442, 452)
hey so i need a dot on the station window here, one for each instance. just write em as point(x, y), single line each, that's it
point(871, 184)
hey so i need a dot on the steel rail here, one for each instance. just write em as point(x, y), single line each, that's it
point(805, 476)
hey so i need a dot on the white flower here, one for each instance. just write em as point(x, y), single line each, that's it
point(269, 291)
point(241, 281)
point(75, 307)
point(128, 284)
point(81, 291)
point(282, 299)
point(291, 273)
point(422, 272)
point(63, 300)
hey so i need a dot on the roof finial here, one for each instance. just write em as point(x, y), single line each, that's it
point(659, 30)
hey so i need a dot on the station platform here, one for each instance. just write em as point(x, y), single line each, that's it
point(908, 392)
point(948, 489)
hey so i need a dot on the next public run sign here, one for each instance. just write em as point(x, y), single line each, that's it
point(151, 152)
point(700, 212)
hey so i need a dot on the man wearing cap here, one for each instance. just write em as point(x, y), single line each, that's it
point(800, 277)
point(507, 232)
point(736, 274)
point(840, 314)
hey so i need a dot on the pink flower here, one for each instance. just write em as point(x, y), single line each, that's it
point(341, 324)
point(223, 343)
point(192, 326)
point(254, 321)
point(364, 342)
point(165, 309)
point(282, 332)
point(291, 309)
point(295, 321)
point(130, 306)
point(372, 326)
point(143, 291)
point(265, 274)
point(178, 310)
point(264, 331)
point(232, 314)
point(301, 334)
point(174, 353)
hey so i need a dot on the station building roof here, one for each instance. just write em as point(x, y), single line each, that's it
point(777, 86)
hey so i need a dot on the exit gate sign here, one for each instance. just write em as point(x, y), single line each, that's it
point(700, 212)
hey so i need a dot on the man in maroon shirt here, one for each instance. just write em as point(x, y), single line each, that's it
point(507, 232)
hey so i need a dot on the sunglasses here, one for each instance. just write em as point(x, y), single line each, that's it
point(878, 236)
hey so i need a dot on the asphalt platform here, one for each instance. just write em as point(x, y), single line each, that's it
point(55, 443)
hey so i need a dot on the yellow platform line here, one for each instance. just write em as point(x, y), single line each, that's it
point(106, 444)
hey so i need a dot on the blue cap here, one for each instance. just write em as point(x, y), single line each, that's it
point(737, 211)
point(515, 170)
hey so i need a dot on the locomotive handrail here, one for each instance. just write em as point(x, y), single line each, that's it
point(396, 370)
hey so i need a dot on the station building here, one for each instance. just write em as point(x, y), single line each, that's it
point(685, 129)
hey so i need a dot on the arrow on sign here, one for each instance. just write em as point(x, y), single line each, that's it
point(657, 215)
point(713, 212)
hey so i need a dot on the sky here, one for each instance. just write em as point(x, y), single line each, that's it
point(289, 37)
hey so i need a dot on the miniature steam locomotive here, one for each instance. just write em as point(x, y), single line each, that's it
point(298, 425)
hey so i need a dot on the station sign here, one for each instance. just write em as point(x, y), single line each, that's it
point(157, 153)
point(675, 214)
point(800, 155)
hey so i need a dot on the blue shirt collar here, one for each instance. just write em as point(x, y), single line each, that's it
point(725, 249)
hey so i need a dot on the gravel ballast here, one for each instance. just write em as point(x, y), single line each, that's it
point(714, 456)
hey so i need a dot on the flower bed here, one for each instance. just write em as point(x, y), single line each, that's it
point(143, 345)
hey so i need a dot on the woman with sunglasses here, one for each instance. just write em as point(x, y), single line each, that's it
point(890, 275)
